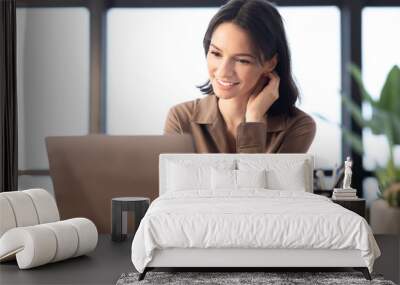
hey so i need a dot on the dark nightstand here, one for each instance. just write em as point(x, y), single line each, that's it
point(324, 192)
point(120, 207)
point(357, 206)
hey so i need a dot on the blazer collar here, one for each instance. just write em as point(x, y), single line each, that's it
point(207, 112)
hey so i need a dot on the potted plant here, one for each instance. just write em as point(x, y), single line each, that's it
point(385, 120)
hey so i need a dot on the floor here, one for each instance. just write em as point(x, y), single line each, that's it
point(111, 259)
point(102, 266)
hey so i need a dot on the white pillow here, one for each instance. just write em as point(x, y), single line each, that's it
point(281, 175)
point(192, 175)
point(223, 179)
point(237, 179)
point(289, 179)
point(251, 178)
point(188, 177)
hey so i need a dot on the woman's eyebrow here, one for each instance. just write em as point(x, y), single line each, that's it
point(238, 54)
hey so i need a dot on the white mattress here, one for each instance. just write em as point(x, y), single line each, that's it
point(251, 218)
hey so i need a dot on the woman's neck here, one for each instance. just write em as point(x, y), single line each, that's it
point(233, 111)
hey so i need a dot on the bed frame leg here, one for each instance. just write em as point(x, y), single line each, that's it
point(143, 274)
point(364, 271)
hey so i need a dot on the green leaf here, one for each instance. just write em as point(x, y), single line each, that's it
point(323, 118)
point(354, 140)
point(383, 178)
point(356, 73)
point(397, 174)
point(386, 111)
point(356, 113)
point(388, 124)
point(389, 105)
point(390, 94)
point(395, 120)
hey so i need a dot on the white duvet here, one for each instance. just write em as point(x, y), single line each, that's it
point(250, 219)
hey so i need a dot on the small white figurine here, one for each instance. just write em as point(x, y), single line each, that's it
point(347, 173)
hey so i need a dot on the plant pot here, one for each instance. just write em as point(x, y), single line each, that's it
point(384, 219)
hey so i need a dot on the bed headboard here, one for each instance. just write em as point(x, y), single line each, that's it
point(165, 158)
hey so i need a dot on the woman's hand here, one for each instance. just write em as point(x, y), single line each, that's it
point(263, 96)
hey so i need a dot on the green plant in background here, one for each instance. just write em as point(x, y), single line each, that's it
point(385, 120)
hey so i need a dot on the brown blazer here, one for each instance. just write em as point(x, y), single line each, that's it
point(202, 119)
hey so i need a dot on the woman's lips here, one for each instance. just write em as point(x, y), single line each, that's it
point(226, 85)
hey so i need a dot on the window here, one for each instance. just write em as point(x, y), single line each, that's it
point(154, 61)
point(314, 38)
point(380, 52)
point(53, 81)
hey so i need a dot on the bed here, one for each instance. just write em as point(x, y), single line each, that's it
point(247, 210)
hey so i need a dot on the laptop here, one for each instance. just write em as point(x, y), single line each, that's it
point(88, 171)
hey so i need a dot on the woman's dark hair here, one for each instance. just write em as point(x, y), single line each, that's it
point(264, 24)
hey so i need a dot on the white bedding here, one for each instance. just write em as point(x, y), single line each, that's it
point(251, 218)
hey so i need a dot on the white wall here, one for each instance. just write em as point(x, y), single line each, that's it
point(314, 38)
point(52, 82)
point(53, 78)
point(155, 59)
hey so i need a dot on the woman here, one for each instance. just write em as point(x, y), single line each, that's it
point(251, 95)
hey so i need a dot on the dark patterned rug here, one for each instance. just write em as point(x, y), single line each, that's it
point(229, 278)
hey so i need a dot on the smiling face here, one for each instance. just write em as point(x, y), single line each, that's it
point(233, 68)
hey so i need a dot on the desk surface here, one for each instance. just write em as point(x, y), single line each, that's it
point(110, 259)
